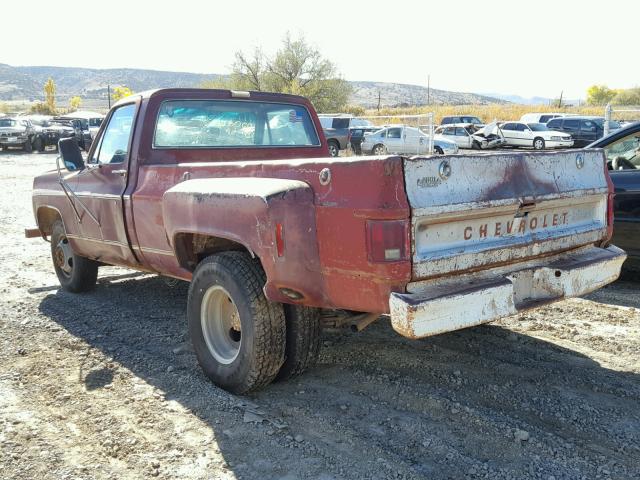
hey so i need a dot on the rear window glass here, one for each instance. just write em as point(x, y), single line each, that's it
point(224, 123)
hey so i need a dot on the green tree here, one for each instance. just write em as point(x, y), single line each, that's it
point(296, 68)
point(74, 103)
point(600, 95)
point(630, 96)
point(50, 96)
point(121, 92)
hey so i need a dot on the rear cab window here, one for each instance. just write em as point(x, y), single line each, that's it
point(230, 123)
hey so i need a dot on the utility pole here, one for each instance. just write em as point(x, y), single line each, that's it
point(560, 101)
point(379, 98)
point(429, 89)
point(109, 95)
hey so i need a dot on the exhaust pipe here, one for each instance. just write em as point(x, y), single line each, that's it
point(360, 322)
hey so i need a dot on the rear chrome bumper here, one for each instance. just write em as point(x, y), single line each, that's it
point(440, 306)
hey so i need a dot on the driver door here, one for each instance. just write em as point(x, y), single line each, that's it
point(101, 186)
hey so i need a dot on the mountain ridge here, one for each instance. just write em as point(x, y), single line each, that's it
point(25, 83)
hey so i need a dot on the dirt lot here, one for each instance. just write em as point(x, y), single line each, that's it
point(104, 385)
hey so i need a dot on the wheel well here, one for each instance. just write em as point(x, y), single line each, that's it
point(335, 142)
point(46, 218)
point(191, 248)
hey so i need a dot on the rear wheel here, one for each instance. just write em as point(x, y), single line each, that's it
point(237, 334)
point(303, 340)
point(379, 149)
point(334, 148)
point(27, 146)
point(75, 273)
point(538, 143)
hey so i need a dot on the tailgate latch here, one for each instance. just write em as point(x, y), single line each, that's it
point(525, 208)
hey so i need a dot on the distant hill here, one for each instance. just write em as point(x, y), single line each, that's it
point(400, 94)
point(25, 83)
point(532, 100)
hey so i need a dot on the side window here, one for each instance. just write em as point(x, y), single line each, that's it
point(461, 132)
point(447, 120)
point(571, 125)
point(556, 123)
point(587, 126)
point(449, 131)
point(341, 123)
point(546, 118)
point(114, 144)
point(394, 133)
point(509, 126)
point(627, 148)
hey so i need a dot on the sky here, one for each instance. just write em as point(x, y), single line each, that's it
point(532, 48)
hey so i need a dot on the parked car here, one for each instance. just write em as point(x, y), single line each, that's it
point(622, 151)
point(405, 141)
point(49, 131)
point(17, 132)
point(461, 119)
point(80, 128)
point(94, 120)
point(268, 232)
point(535, 135)
point(467, 135)
point(356, 135)
point(336, 130)
point(539, 117)
point(584, 130)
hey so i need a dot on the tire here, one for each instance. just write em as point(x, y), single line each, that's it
point(379, 149)
point(27, 146)
point(76, 274)
point(38, 144)
point(334, 148)
point(303, 340)
point(538, 143)
point(437, 150)
point(237, 334)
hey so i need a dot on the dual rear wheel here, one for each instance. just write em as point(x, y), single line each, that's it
point(241, 340)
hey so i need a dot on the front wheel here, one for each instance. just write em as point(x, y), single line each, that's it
point(538, 144)
point(237, 334)
point(437, 150)
point(76, 274)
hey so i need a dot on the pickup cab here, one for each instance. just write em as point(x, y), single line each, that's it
point(236, 193)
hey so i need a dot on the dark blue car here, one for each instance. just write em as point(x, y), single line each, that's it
point(622, 149)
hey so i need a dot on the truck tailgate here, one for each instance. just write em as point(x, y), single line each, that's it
point(473, 212)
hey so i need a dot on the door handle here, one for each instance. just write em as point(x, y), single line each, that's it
point(122, 173)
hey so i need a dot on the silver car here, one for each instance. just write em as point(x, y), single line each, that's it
point(405, 141)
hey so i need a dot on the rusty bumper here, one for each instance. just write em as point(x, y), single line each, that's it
point(441, 306)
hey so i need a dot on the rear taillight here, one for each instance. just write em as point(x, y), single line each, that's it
point(387, 240)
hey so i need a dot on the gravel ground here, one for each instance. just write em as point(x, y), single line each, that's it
point(105, 385)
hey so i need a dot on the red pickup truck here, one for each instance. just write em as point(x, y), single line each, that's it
point(236, 193)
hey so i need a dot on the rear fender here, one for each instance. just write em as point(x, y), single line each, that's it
point(248, 211)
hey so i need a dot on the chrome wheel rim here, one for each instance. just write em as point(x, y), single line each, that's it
point(538, 145)
point(379, 150)
point(220, 322)
point(63, 256)
point(333, 150)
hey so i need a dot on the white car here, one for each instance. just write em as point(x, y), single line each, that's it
point(536, 135)
point(405, 141)
point(467, 135)
point(540, 117)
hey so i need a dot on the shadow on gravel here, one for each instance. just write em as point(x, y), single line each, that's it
point(438, 407)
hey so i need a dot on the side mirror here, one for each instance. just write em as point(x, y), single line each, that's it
point(70, 153)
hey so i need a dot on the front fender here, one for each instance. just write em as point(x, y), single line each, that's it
point(248, 211)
